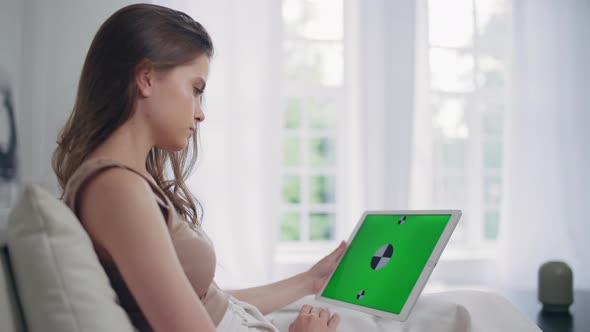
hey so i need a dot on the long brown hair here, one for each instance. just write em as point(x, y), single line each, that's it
point(107, 91)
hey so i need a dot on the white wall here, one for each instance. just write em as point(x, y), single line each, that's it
point(56, 37)
point(10, 51)
point(43, 45)
point(10, 45)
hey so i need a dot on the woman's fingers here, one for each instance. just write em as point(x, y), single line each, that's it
point(314, 319)
point(338, 251)
point(340, 247)
point(315, 311)
point(333, 322)
point(305, 309)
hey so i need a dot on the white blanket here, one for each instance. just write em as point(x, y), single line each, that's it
point(456, 311)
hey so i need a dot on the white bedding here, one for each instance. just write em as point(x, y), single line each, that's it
point(457, 311)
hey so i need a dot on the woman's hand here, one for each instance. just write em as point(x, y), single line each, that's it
point(269, 298)
point(313, 319)
point(318, 273)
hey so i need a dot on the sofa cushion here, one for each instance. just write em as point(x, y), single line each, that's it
point(10, 310)
point(60, 282)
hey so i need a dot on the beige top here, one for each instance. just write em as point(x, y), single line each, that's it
point(193, 247)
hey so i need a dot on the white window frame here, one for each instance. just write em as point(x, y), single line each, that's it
point(296, 255)
point(474, 244)
point(469, 263)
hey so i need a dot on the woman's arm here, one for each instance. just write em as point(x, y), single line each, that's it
point(274, 296)
point(269, 298)
point(119, 212)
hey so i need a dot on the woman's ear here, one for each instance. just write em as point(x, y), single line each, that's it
point(144, 78)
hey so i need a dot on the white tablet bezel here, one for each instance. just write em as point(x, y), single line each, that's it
point(421, 282)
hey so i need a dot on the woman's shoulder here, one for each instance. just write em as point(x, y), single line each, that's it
point(84, 172)
point(116, 188)
point(87, 169)
point(106, 178)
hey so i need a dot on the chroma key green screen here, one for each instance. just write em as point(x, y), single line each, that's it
point(385, 260)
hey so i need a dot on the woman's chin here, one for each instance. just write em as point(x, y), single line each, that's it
point(180, 147)
point(175, 147)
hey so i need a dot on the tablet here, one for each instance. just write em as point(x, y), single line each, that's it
point(389, 258)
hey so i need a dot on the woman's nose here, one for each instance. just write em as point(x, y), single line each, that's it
point(199, 116)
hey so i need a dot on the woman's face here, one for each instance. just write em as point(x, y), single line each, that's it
point(174, 106)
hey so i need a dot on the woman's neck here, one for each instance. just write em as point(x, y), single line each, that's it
point(130, 144)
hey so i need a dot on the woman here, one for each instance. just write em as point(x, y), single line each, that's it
point(136, 115)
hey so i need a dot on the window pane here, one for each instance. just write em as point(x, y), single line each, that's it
point(492, 121)
point(323, 152)
point(491, 75)
point(322, 189)
point(491, 225)
point(493, 22)
point(314, 63)
point(292, 151)
point(321, 226)
point(450, 191)
point(451, 70)
point(293, 114)
point(321, 114)
point(290, 226)
point(492, 190)
point(450, 23)
point(452, 154)
point(449, 116)
point(492, 157)
point(313, 19)
point(291, 189)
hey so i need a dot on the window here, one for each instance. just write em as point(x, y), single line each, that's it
point(468, 56)
point(312, 92)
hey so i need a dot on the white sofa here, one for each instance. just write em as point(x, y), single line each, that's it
point(11, 319)
point(51, 280)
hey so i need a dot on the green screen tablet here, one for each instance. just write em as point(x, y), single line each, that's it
point(390, 256)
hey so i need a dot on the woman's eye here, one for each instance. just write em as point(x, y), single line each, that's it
point(198, 91)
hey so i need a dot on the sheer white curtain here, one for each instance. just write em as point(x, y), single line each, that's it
point(385, 88)
point(236, 177)
point(548, 155)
